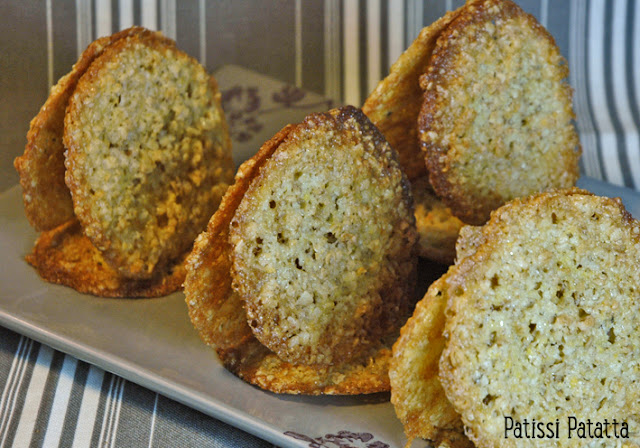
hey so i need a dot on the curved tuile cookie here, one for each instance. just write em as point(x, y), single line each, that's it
point(395, 103)
point(217, 313)
point(65, 256)
point(416, 393)
point(497, 120)
point(437, 228)
point(541, 320)
point(149, 153)
point(47, 200)
point(323, 242)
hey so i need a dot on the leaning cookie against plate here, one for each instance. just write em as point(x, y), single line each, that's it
point(307, 269)
point(535, 322)
point(147, 160)
point(416, 392)
point(394, 106)
point(65, 256)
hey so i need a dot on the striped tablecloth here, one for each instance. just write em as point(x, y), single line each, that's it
point(51, 399)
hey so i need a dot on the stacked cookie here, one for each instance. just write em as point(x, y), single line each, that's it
point(307, 270)
point(479, 104)
point(123, 167)
point(536, 321)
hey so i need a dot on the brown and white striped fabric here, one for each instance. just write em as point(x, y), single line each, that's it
point(338, 49)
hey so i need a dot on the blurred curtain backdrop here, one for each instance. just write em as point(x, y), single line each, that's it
point(340, 49)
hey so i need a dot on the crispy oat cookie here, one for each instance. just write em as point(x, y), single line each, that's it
point(395, 103)
point(323, 242)
point(216, 311)
point(65, 256)
point(47, 200)
point(148, 156)
point(497, 120)
point(416, 393)
point(541, 319)
point(366, 374)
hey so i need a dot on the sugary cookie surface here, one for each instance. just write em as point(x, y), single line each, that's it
point(542, 321)
point(149, 154)
point(395, 103)
point(47, 199)
point(416, 393)
point(496, 123)
point(323, 242)
point(65, 256)
point(217, 312)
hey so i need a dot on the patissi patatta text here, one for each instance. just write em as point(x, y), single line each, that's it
point(571, 428)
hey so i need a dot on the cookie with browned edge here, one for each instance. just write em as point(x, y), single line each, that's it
point(541, 323)
point(394, 105)
point(216, 307)
point(324, 242)
point(46, 197)
point(65, 256)
point(497, 119)
point(148, 152)
point(416, 393)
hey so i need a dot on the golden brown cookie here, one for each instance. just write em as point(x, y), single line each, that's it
point(47, 200)
point(324, 242)
point(541, 322)
point(216, 311)
point(497, 120)
point(419, 400)
point(437, 227)
point(148, 152)
point(366, 374)
point(395, 103)
point(65, 256)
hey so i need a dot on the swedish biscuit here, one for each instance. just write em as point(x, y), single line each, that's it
point(148, 152)
point(394, 105)
point(496, 122)
point(213, 292)
point(46, 197)
point(323, 242)
point(541, 322)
